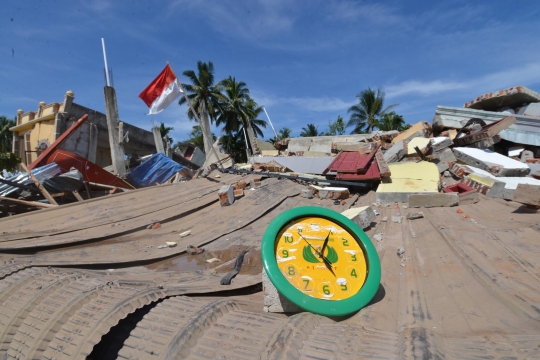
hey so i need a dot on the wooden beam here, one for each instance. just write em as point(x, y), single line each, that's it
point(77, 195)
point(88, 190)
point(383, 166)
point(39, 186)
point(27, 203)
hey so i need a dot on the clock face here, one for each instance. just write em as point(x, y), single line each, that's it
point(320, 258)
point(321, 261)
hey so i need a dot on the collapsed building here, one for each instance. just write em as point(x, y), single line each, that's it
point(451, 208)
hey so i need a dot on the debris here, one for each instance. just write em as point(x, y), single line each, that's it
point(421, 142)
point(447, 174)
point(420, 129)
point(226, 195)
point(467, 195)
point(238, 193)
point(171, 243)
point(213, 260)
point(162, 246)
point(193, 250)
point(361, 216)
point(527, 194)
point(415, 215)
point(378, 237)
point(443, 159)
point(255, 183)
point(400, 251)
point(329, 192)
point(433, 200)
point(440, 143)
point(384, 170)
point(384, 219)
point(217, 176)
point(408, 178)
point(396, 219)
point(306, 193)
point(154, 226)
point(483, 133)
point(459, 211)
point(226, 280)
point(185, 233)
point(396, 152)
point(496, 164)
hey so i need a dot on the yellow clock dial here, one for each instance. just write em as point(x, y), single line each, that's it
point(320, 258)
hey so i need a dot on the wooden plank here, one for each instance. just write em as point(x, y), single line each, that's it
point(77, 195)
point(27, 203)
point(39, 186)
point(384, 170)
point(88, 190)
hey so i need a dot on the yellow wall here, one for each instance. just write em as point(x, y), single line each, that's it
point(42, 131)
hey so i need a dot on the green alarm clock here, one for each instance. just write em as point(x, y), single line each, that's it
point(321, 261)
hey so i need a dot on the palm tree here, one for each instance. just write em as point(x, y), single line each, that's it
point(284, 133)
point(205, 97)
point(6, 137)
point(310, 130)
point(164, 131)
point(239, 111)
point(366, 114)
point(391, 121)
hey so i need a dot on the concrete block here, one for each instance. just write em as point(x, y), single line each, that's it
point(361, 216)
point(226, 195)
point(415, 215)
point(440, 143)
point(396, 152)
point(469, 198)
point(255, 183)
point(527, 194)
point(526, 154)
point(306, 193)
point(433, 200)
point(496, 164)
point(273, 300)
point(330, 192)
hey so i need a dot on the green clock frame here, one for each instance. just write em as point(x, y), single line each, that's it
point(321, 306)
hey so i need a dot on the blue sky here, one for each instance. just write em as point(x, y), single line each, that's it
point(305, 61)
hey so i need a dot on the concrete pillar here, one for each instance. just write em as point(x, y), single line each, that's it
point(68, 100)
point(92, 142)
point(42, 104)
point(158, 140)
point(117, 150)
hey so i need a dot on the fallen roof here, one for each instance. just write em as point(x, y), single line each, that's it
point(466, 285)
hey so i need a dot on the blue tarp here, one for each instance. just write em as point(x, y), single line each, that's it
point(156, 170)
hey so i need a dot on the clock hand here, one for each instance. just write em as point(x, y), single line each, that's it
point(325, 260)
point(325, 243)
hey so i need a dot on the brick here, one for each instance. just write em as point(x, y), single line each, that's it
point(238, 193)
point(241, 185)
point(226, 195)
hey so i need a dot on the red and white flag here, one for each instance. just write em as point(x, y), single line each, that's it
point(162, 91)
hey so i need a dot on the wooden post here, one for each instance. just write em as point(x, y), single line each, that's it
point(27, 203)
point(39, 186)
point(77, 195)
point(88, 190)
point(117, 150)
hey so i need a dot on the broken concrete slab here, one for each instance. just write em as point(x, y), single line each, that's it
point(397, 219)
point(422, 129)
point(497, 164)
point(421, 142)
point(408, 178)
point(527, 194)
point(440, 143)
point(396, 152)
point(512, 97)
point(333, 193)
point(226, 195)
point(433, 200)
point(361, 216)
point(273, 300)
point(485, 134)
point(485, 185)
point(443, 159)
point(299, 164)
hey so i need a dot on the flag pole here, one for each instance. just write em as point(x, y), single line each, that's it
point(270, 123)
point(193, 110)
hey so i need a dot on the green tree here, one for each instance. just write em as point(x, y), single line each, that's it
point(310, 130)
point(205, 97)
point(239, 111)
point(8, 160)
point(284, 133)
point(164, 131)
point(195, 138)
point(391, 121)
point(336, 127)
point(366, 114)
point(235, 146)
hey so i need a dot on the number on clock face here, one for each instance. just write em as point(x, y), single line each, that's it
point(337, 276)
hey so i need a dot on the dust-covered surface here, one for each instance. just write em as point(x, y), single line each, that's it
point(88, 279)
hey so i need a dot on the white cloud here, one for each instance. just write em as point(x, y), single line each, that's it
point(315, 104)
point(353, 11)
point(524, 75)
